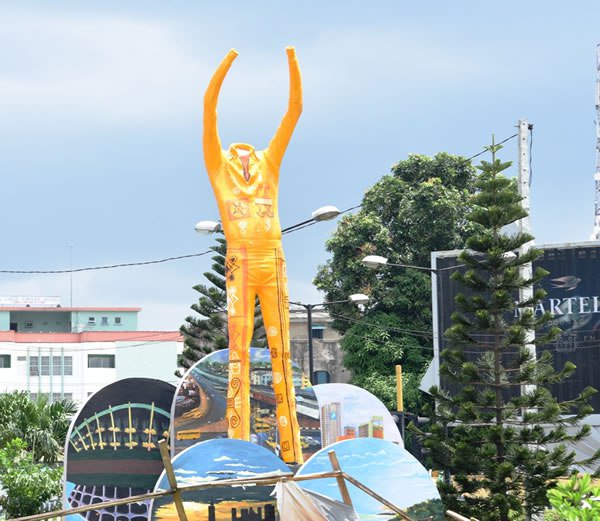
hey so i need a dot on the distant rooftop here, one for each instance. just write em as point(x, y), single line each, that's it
point(59, 308)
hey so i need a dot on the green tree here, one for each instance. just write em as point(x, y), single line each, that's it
point(206, 331)
point(576, 500)
point(508, 434)
point(26, 486)
point(41, 425)
point(417, 209)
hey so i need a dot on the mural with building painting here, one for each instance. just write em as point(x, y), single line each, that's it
point(200, 404)
point(349, 412)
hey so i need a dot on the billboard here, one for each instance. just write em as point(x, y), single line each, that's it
point(573, 300)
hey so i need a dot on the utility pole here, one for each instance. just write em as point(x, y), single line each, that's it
point(524, 226)
point(596, 231)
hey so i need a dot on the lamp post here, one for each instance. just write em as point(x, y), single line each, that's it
point(376, 262)
point(324, 213)
point(356, 298)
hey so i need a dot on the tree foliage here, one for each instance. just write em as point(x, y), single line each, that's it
point(206, 331)
point(508, 434)
point(417, 209)
point(578, 499)
point(26, 487)
point(41, 425)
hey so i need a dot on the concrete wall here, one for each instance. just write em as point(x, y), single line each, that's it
point(327, 356)
point(147, 360)
point(132, 359)
point(4, 320)
point(41, 321)
point(81, 320)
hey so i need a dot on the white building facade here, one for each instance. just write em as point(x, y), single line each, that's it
point(74, 352)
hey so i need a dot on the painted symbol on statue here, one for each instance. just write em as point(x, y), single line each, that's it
point(285, 446)
point(238, 208)
point(277, 377)
point(264, 207)
point(272, 331)
point(232, 299)
point(231, 266)
point(243, 226)
point(283, 421)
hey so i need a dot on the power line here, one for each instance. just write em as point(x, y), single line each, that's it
point(285, 231)
point(158, 261)
point(109, 266)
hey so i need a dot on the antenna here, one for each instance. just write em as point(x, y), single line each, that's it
point(596, 232)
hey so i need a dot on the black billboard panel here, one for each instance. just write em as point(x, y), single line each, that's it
point(573, 299)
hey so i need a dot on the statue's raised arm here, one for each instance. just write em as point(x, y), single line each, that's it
point(280, 140)
point(210, 138)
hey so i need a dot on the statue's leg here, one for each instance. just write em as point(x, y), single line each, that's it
point(274, 303)
point(240, 316)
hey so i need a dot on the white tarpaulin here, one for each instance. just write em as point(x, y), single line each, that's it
point(296, 504)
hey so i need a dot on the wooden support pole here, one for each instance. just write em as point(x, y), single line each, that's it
point(400, 399)
point(458, 517)
point(340, 479)
point(164, 454)
point(96, 506)
point(379, 498)
point(399, 395)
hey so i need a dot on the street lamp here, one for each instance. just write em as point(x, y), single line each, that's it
point(377, 261)
point(356, 298)
point(324, 213)
point(207, 227)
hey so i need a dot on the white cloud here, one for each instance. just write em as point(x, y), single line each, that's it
point(107, 66)
point(223, 458)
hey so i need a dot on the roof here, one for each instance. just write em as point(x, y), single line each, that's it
point(33, 308)
point(90, 336)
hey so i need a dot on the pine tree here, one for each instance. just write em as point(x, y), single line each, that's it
point(207, 332)
point(496, 428)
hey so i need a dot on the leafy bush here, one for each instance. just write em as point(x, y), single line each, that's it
point(576, 500)
point(28, 486)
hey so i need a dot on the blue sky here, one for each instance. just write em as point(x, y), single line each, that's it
point(100, 123)
point(384, 467)
point(357, 406)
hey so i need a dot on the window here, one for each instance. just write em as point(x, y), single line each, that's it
point(101, 361)
point(28, 324)
point(66, 396)
point(21, 358)
point(67, 365)
point(117, 321)
point(104, 321)
point(322, 377)
point(317, 332)
point(45, 365)
point(34, 366)
point(91, 320)
point(4, 361)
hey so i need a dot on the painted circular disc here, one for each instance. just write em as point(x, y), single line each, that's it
point(201, 400)
point(216, 460)
point(112, 447)
point(350, 412)
point(384, 467)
